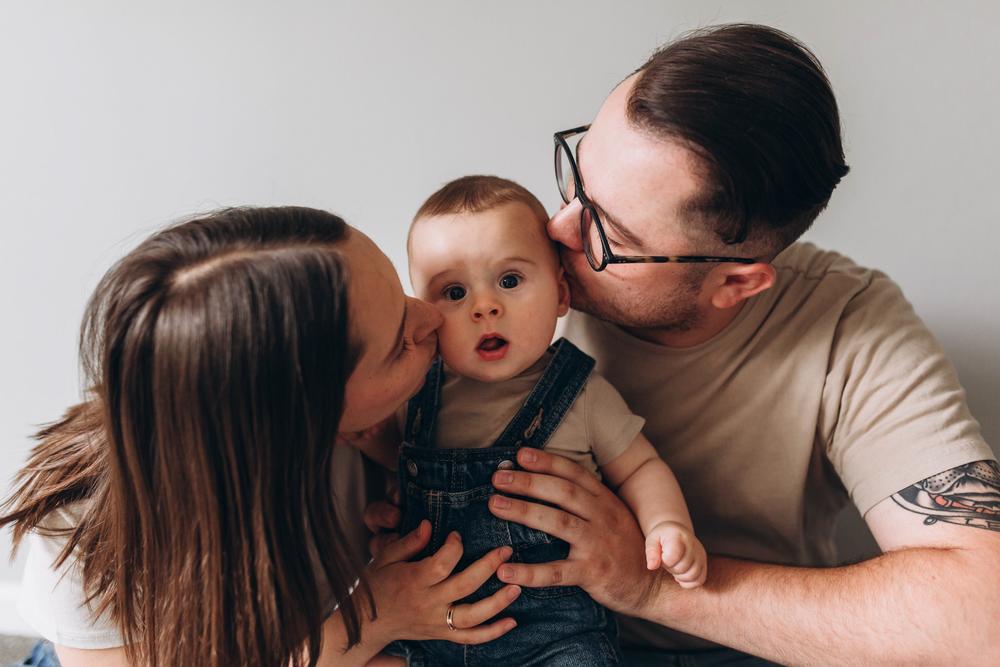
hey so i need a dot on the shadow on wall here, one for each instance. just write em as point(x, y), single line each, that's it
point(978, 366)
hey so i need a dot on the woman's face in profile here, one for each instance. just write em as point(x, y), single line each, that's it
point(396, 332)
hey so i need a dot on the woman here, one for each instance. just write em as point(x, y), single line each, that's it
point(184, 514)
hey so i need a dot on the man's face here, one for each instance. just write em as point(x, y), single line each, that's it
point(639, 183)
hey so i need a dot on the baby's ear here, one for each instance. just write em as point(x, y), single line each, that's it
point(563, 294)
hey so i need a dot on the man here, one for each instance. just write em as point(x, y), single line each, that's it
point(779, 381)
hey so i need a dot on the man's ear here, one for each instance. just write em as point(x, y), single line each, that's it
point(563, 294)
point(736, 283)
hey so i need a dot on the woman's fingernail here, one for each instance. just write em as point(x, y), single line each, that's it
point(503, 478)
point(505, 572)
point(513, 592)
point(528, 456)
point(500, 502)
point(455, 535)
point(506, 552)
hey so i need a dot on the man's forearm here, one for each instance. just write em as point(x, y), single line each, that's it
point(910, 606)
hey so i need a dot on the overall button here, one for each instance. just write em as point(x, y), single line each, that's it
point(411, 467)
point(505, 465)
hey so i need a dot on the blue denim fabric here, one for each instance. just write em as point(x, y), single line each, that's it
point(559, 625)
point(720, 657)
point(43, 654)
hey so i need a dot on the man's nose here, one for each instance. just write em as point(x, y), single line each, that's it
point(429, 320)
point(564, 226)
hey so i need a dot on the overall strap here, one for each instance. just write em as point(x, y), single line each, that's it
point(421, 411)
point(550, 399)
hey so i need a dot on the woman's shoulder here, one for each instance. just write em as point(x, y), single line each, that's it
point(52, 597)
point(62, 519)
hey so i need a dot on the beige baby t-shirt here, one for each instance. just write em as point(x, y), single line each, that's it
point(472, 414)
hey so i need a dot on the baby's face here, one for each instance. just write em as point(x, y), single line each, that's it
point(496, 279)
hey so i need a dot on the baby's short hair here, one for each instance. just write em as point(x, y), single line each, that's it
point(475, 194)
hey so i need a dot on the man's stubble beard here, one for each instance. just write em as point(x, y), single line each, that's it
point(674, 311)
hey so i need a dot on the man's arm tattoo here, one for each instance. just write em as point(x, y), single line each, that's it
point(968, 495)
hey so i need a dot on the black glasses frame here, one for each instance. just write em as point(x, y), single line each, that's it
point(587, 207)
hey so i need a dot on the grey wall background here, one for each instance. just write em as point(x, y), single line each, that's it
point(119, 117)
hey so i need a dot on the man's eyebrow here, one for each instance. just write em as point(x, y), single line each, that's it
point(606, 217)
point(616, 227)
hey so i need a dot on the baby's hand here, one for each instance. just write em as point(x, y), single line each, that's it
point(674, 547)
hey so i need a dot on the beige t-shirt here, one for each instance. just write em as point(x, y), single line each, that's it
point(825, 387)
point(53, 603)
point(471, 414)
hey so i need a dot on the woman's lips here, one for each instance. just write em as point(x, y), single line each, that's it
point(492, 347)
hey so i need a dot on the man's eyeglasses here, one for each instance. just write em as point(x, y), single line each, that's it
point(595, 241)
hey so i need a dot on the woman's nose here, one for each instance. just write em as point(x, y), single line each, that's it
point(564, 227)
point(429, 319)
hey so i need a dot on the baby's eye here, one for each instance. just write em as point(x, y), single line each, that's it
point(454, 293)
point(510, 281)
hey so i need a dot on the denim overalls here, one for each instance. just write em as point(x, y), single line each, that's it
point(556, 626)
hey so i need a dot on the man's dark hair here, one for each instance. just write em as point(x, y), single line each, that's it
point(756, 108)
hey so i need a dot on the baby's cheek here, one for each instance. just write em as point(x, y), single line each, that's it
point(451, 338)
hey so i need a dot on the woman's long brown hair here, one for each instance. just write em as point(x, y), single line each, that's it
point(218, 352)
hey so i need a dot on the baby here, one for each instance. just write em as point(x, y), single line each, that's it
point(478, 251)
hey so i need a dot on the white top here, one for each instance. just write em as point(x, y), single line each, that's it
point(52, 601)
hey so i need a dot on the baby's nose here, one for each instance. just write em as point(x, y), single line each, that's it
point(485, 309)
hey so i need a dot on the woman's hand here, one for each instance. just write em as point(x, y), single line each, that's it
point(413, 599)
point(382, 519)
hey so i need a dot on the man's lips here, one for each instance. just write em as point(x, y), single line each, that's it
point(492, 347)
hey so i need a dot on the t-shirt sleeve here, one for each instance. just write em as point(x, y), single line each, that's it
point(611, 426)
point(52, 601)
point(893, 407)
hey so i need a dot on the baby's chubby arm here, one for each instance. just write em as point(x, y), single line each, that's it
point(651, 491)
point(380, 443)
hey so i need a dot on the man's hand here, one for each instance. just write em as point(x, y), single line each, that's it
point(606, 556)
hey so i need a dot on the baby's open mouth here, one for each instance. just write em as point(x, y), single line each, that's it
point(492, 347)
point(491, 343)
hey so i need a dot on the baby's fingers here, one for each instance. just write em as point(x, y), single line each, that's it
point(684, 560)
point(674, 550)
point(653, 553)
point(694, 577)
